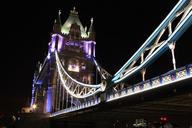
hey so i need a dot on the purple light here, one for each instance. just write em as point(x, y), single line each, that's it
point(48, 56)
point(88, 48)
point(53, 43)
point(83, 67)
point(60, 43)
point(32, 101)
point(94, 49)
point(48, 105)
point(33, 96)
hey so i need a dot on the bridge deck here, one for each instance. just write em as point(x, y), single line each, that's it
point(174, 101)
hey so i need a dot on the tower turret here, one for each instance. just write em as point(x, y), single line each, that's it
point(73, 19)
point(57, 24)
point(91, 31)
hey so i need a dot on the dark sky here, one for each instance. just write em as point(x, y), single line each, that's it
point(121, 28)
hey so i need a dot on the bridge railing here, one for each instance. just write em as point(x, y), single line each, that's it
point(159, 81)
point(162, 80)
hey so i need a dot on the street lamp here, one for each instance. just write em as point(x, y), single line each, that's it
point(34, 107)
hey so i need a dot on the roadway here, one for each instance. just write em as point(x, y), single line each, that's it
point(173, 101)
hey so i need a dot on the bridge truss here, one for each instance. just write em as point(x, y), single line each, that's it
point(163, 38)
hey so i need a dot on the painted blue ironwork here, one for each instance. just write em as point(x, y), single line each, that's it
point(173, 37)
point(80, 90)
point(166, 79)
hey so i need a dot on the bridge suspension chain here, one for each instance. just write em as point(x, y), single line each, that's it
point(104, 74)
point(75, 88)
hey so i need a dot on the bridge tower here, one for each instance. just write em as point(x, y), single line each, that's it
point(76, 48)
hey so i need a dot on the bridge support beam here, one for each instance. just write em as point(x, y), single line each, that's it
point(172, 47)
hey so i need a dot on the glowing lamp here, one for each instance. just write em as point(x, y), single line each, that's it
point(73, 68)
point(34, 106)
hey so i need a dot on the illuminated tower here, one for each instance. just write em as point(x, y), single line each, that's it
point(76, 49)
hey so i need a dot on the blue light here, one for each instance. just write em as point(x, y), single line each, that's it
point(48, 56)
point(49, 99)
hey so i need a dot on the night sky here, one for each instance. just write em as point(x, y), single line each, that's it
point(121, 28)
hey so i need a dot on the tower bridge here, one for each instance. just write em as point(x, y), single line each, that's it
point(71, 83)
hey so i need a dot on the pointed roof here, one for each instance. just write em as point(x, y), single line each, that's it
point(91, 31)
point(91, 28)
point(57, 24)
point(73, 18)
point(58, 20)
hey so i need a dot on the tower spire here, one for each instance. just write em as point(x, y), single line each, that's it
point(91, 31)
point(74, 11)
point(57, 24)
